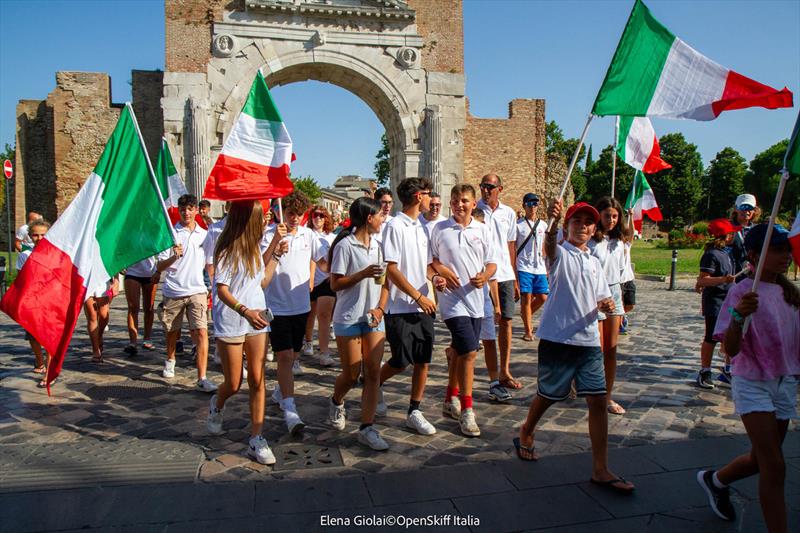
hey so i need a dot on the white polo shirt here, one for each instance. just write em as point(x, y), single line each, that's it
point(627, 265)
point(185, 276)
point(386, 220)
point(405, 243)
point(22, 258)
point(611, 253)
point(214, 231)
point(531, 258)
point(503, 224)
point(430, 224)
point(144, 268)
point(22, 235)
point(319, 275)
point(466, 251)
point(247, 291)
point(577, 283)
point(288, 293)
point(351, 256)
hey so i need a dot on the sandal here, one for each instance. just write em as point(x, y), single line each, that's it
point(527, 338)
point(525, 453)
point(615, 409)
point(97, 359)
point(511, 383)
point(613, 485)
point(39, 369)
point(43, 384)
point(147, 345)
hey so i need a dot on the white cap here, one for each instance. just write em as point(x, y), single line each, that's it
point(745, 199)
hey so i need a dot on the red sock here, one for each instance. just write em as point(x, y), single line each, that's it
point(466, 402)
point(451, 391)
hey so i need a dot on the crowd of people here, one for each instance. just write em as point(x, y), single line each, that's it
point(379, 277)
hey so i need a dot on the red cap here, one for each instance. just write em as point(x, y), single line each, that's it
point(582, 207)
point(722, 226)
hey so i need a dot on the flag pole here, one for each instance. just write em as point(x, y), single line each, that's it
point(614, 157)
point(280, 210)
point(572, 164)
point(152, 174)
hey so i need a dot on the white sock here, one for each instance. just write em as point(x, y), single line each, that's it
point(717, 483)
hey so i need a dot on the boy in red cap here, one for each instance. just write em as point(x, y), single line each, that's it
point(716, 277)
point(569, 346)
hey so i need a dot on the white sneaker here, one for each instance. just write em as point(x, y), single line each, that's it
point(325, 359)
point(381, 409)
point(308, 348)
point(370, 437)
point(169, 369)
point(468, 425)
point(418, 423)
point(244, 370)
point(333, 334)
point(337, 415)
point(452, 408)
point(205, 385)
point(277, 396)
point(293, 422)
point(214, 420)
point(260, 451)
point(270, 356)
point(297, 370)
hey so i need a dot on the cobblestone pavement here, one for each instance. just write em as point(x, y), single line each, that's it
point(125, 423)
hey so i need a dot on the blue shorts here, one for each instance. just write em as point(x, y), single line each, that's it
point(356, 330)
point(465, 333)
point(560, 363)
point(533, 283)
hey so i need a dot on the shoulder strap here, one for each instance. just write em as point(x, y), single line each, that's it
point(530, 235)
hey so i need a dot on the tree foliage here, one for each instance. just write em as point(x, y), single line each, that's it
point(678, 190)
point(556, 144)
point(598, 178)
point(722, 182)
point(382, 168)
point(8, 153)
point(764, 176)
point(308, 186)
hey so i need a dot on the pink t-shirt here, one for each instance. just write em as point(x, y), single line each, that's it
point(771, 347)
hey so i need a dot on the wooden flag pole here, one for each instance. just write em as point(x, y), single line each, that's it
point(572, 164)
point(614, 158)
point(280, 210)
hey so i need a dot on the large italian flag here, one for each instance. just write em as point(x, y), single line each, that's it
point(254, 162)
point(116, 219)
point(653, 73)
point(642, 200)
point(171, 184)
point(637, 144)
point(791, 164)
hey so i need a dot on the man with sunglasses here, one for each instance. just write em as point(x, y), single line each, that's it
point(502, 220)
point(433, 215)
point(384, 196)
point(531, 270)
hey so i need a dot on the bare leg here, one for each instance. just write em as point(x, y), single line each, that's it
point(453, 364)
point(285, 377)
point(609, 332)
point(372, 353)
point(91, 326)
point(526, 313)
point(231, 357)
point(172, 340)
point(148, 305)
point(312, 317)
point(36, 348)
point(418, 379)
point(350, 357)
point(490, 357)
point(132, 293)
point(706, 354)
point(598, 433)
point(201, 341)
point(388, 371)
point(466, 372)
point(537, 408)
point(324, 313)
point(537, 303)
point(504, 344)
point(255, 346)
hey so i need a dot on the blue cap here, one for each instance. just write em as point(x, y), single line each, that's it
point(754, 239)
point(530, 197)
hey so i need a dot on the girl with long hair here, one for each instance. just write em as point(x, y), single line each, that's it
point(322, 297)
point(358, 275)
point(241, 272)
point(608, 246)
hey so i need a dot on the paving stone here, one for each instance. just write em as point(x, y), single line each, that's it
point(696, 454)
point(311, 495)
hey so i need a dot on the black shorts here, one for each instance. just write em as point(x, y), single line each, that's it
point(465, 333)
point(711, 321)
point(410, 337)
point(507, 303)
point(288, 332)
point(143, 280)
point(629, 293)
point(323, 289)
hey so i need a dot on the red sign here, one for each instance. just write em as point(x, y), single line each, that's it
point(8, 170)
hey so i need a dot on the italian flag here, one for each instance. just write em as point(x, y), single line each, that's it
point(637, 144)
point(653, 73)
point(794, 239)
point(116, 219)
point(642, 200)
point(791, 165)
point(254, 162)
point(171, 184)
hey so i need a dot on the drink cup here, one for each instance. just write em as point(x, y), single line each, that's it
point(381, 279)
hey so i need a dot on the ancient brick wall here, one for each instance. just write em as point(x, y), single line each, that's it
point(188, 32)
point(441, 24)
point(34, 175)
point(512, 148)
point(146, 91)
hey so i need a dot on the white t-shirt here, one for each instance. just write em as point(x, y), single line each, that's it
point(144, 268)
point(351, 256)
point(386, 220)
point(214, 231)
point(466, 251)
point(531, 259)
point(319, 275)
point(22, 257)
point(627, 266)
point(430, 224)
point(611, 253)
point(185, 276)
point(577, 283)
point(405, 243)
point(247, 291)
point(288, 293)
point(22, 235)
point(503, 223)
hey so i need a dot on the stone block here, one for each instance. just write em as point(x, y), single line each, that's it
point(184, 78)
point(446, 83)
point(692, 454)
point(311, 495)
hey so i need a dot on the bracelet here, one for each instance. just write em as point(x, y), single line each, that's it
point(276, 257)
point(738, 318)
point(434, 276)
point(243, 310)
point(381, 309)
point(416, 300)
point(236, 306)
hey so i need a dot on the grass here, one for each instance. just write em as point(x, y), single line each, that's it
point(11, 271)
point(648, 259)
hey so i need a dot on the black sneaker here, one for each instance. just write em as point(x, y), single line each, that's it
point(704, 380)
point(718, 499)
point(179, 347)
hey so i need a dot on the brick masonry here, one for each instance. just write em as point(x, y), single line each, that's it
point(441, 24)
point(188, 32)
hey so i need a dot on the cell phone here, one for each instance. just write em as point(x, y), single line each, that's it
point(267, 315)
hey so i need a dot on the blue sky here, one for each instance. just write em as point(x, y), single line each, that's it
point(556, 50)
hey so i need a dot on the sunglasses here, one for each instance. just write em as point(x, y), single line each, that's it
point(488, 186)
point(318, 215)
point(531, 204)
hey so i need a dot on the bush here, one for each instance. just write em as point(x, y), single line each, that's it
point(700, 228)
point(677, 239)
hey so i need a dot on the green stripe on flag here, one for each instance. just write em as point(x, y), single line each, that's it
point(131, 225)
point(164, 168)
point(634, 72)
point(792, 161)
point(637, 191)
point(259, 102)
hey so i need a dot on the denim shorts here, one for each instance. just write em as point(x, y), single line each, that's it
point(777, 396)
point(616, 296)
point(356, 330)
point(560, 363)
point(533, 283)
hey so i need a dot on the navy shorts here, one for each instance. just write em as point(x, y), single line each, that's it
point(410, 337)
point(533, 283)
point(629, 293)
point(288, 332)
point(323, 289)
point(560, 363)
point(465, 333)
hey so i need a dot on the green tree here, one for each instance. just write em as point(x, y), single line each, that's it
point(723, 181)
point(8, 153)
point(382, 169)
point(308, 186)
point(678, 189)
point(556, 144)
point(764, 176)
point(598, 178)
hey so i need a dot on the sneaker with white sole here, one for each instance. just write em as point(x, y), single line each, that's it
point(205, 385)
point(270, 356)
point(325, 359)
point(704, 380)
point(381, 409)
point(277, 397)
point(370, 437)
point(260, 451)
point(297, 370)
point(294, 423)
point(417, 422)
point(452, 408)
point(214, 420)
point(337, 415)
point(308, 348)
point(468, 425)
point(498, 393)
point(718, 499)
point(169, 369)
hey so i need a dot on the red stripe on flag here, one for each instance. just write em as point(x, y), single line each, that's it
point(237, 179)
point(741, 92)
point(654, 163)
point(46, 300)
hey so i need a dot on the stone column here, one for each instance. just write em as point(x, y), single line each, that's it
point(433, 147)
point(197, 164)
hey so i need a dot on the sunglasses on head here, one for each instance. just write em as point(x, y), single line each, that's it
point(488, 186)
